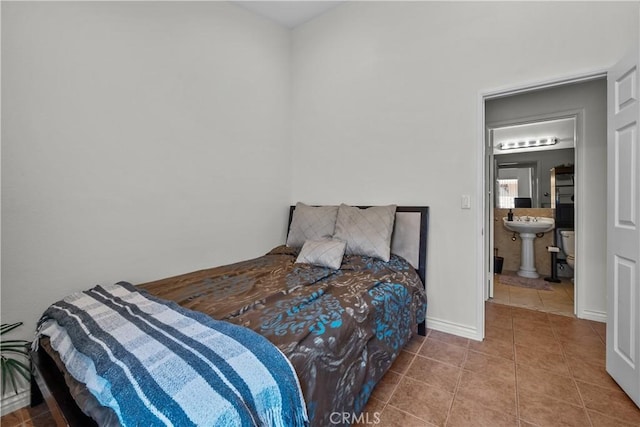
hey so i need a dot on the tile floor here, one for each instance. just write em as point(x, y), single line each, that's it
point(532, 369)
point(38, 416)
point(557, 301)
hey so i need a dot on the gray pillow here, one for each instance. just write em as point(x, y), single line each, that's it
point(324, 253)
point(311, 223)
point(366, 231)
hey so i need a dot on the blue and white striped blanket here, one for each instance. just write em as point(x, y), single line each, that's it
point(156, 363)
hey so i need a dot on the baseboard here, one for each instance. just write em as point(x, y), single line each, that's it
point(596, 316)
point(13, 402)
point(454, 328)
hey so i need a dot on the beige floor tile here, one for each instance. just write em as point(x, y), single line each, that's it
point(443, 352)
point(393, 417)
point(609, 402)
point(523, 313)
point(42, 420)
point(493, 347)
point(502, 321)
point(491, 308)
point(449, 338)
point(525, 300)
point(12, 419)
point(371, 412)
point(593, 353)
point(540, 341)
point(577, 332)
point(541, 381)
point(402, 362)
point(552, 361)
point(414, 344)
point(601, 330)
point(467, 412)
point(500, 334)
point(591, 373)
point(385, 387)
point(490, 392)
point(421, 400)
point(532, 326)
point(492, 366)
point(544, 411)
point(558, 300)
point(600, 420)
point(434, 373)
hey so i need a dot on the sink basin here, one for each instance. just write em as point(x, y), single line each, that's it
point(527, 227)
point(541, 225)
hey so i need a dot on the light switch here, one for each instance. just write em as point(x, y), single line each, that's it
point(465, 202)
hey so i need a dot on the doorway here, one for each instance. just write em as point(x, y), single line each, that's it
point(584, 102)
point(533, 162)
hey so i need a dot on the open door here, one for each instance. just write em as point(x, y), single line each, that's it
point(488, 214)
point(623, 224)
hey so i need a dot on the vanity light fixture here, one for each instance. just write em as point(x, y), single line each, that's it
point(511, 145)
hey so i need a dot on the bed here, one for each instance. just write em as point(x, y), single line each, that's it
point(340, 326)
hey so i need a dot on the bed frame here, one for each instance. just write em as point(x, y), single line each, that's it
point(47, 381)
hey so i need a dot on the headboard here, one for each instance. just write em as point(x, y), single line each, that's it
point(409, 238)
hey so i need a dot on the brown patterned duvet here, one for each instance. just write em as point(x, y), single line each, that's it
point(341, 329)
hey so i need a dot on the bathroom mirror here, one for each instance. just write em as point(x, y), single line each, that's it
point(524, 156)
point(516, 183)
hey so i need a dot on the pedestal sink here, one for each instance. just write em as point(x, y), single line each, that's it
point(527, 227)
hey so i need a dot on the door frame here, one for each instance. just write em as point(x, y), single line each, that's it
point(578, 131)
point(484, 259)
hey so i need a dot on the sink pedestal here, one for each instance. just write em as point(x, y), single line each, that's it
point(527, 229)
point(527, 259)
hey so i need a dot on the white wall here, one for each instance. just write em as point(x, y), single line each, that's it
point(385, 109)
point(139, 140)
point(590, 99)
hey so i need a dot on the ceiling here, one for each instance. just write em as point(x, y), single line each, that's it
point(289, 14)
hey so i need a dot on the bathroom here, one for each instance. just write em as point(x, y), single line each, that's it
point(543, 142)
point(533, 183)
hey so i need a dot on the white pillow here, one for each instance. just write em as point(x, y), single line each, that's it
point(323, 253)
point(366, 231)
point(311, 223)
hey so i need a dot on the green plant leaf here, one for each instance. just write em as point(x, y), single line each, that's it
point(8, 327)
point(12, 368)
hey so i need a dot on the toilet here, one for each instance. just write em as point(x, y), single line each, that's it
point(569, 246)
